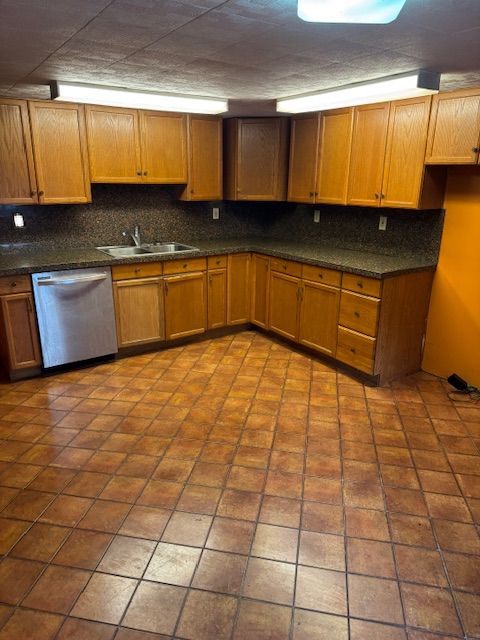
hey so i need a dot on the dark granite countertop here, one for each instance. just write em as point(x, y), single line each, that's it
point(18, 259)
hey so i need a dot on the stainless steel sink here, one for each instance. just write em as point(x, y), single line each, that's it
point(157, 249)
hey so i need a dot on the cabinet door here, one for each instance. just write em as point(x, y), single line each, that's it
point(185, 305)
point(260, 287)
point(20, 331)
point(334, 155)
point(139, 311)
point(164, 147)
point(284, 304)
point(17, 173)
point(204, 158)
point(262, 159)
point(368, 154)
point(217, 298)
point(319, 317)
point(238, 305)
point(113, 144)
point(60, 152)
point(302, 170)
point(454, 131)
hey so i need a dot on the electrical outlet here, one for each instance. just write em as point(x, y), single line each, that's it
point(382, 223)
point(316, 215)
point(18, 220)
point(216, 213)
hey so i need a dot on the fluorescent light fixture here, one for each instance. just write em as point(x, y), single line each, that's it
point(116, 97)
point(420, 83)
point(357, 11)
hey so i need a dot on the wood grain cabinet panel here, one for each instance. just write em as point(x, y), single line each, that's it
point(238, 304)
point(60, 152)
point(21, 347)
point(256, 158)
point(284, 304)
point(205, 153)
point(185, 305)
point(359, 312)
point(217, 298)
point(356, 349)
point(163, 147)
point(113, 144)
point(319, 317)
point(336, 128)
point(454, 131)
point(17, 172)
point(139, 311)
point(302, 172)
point(260, 282)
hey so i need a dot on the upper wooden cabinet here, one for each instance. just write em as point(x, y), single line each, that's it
point(454, 132)
point(60, 152)
point(126, 145)
point(387, 160)
point(204, 153)
point(17, 172)
point(334, 156)
point(256, 158)
point(302, 172)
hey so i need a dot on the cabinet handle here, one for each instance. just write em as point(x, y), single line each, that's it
point(320, 275)
point(311, 194)
point(137, 270)
point(40, 193)
point(217, 261)
point(353, 350)
point(185, 265)
point(284, 267)
point(33, 193)
point(382, 195)
point(476, 149)
point(13, 284)
point(145, 173)
point(192, 191)
point(139, 173)
point(356, 314)
point(377, 196)
point(360, 285)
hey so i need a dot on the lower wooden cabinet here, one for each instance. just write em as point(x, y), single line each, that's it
point(260, 284)
point(284, 304)
point(139, 311)
point(217, 298)
point(238, 292)
point(185, 305)
point(318, 316)
point(20, 343)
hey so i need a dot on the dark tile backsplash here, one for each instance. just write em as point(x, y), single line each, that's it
point(162, 217)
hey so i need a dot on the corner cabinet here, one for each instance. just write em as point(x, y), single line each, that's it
point(204, 152)
point(256, 158)
point(60, 152)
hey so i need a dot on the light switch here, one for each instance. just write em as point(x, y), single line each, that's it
point(216, 213)
point(382, 223)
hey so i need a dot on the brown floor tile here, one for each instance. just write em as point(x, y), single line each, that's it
point(420, 565)
point(57, 589)
point(322, 490)
point(220, 453)
point(145, 522)
point(10, 532)
point(286, 485)
point(31, 624)
point(239, 504)
point(311, 625)
point(269, 580)
point(197, 499)
point(374, 599)
point(231, 535)
point(405, 501)
point(160, 493)
point(104, 516)
point(138, 466)
point(456, 536)
point(259, 621)
point(323, 518)
point(364, 523)
point(66, 510)
point(438, 482)
point(370, 557)
point(212, 474)
point(123, 489)
point(41, 542)
point(321, 590)
point(206, 616)
point(173, 564)
point(469, 606)
point(75, 629)
point(463, 571)
point(470, 485)
point(155, 607)
point(322, 550)
point(52, 480)
point(173, 470)
point(83, 549)
point(355, 471)
point(399, 476)
point(16, 578)
point(105, 598)
point(28, 505)
point(363, 630)
point(131, 634)
point(368, 496)
point(105, 461)
point(19, 475)
point(87, 484)
point(221, 572)
point(187, 528)
point(447, 507)
point(275, 543)
point(127, 557)
point(430, 608)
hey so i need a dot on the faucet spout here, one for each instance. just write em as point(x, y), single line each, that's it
point(135, 235)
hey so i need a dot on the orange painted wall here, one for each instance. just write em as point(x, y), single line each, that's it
point(453, 328)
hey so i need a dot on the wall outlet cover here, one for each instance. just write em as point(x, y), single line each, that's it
point(382, 223)
point(216, 213)
point(316, 215)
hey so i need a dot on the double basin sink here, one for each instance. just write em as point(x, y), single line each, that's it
point(155, 249)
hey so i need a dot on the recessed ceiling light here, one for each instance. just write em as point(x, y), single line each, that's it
point(115, 97)
point(359, 11)
point(410, 85)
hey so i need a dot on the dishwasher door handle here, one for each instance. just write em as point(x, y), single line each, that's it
point(52, 281)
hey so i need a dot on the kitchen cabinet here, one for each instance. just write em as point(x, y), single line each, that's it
point(284, 304)
point(388, 149)
point(17, 172)
point(454, 131)
point(131, 146)
point(260, 281)
point(185, 304)
point(139, 311)
point(217, 292)
point(336, 128)
point(19, 343)
point(204, 153)
point(255, 158)
point(302, 172)
point(319, 305)
point(60, 152)
point(238, 290)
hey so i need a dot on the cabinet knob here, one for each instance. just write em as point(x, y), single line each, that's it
point(139, 173)
point(13, 284)
point(356, 314)
point(218, 261)
point(40, 193)
point(377, 196)
point(145, 173)
point(360, 285)
point(353, 350)
point(476, 149)
point(284, 266)
point(320, 275)
point(33, 193)
point(185, 265)
point(382, 195)
point(311, 194)
point(192, 191)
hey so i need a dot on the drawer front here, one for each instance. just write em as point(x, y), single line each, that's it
point(286, 266)
point(217, 262)
point(359, 312)
point(356, 349)
point(138, 270)
point(361, 284)
point(322, 275)
point(15, 284)
point(184, 266)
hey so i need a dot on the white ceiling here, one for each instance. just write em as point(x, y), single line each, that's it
point(250, 51)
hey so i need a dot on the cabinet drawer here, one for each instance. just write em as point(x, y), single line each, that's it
point(138, 270)
point(15, 284)
point(356, 349)
point(362, 284)
point(184, 266)
point(217, 262)
point(322, 275)
point(286, 266)
point(359, 312)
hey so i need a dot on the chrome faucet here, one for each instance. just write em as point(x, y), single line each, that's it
point(135, 235)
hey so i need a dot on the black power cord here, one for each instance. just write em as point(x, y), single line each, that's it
point(464, 391)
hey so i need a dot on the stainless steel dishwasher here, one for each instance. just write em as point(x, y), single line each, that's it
point(75, 314)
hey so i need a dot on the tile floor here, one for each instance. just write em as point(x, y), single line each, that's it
point(236, 489)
